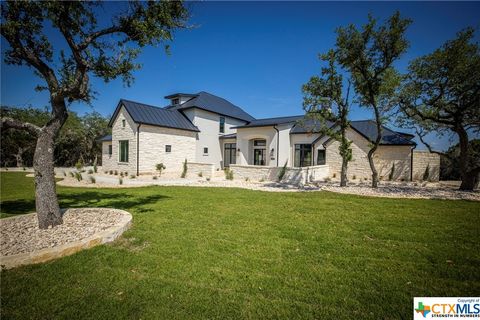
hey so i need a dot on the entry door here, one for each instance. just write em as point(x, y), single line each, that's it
point(259, 157)
point(229, 154)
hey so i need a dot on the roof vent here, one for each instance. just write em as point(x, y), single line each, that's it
point(179, 98)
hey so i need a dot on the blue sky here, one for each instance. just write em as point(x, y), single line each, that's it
point(255, 54)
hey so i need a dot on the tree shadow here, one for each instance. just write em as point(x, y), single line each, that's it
point(87, 199)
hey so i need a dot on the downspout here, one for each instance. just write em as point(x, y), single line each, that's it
point(411, 163)
point(138, 146)
point(278, 140)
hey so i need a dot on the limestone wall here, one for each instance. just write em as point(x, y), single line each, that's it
point(422, 159)
point(206, 169)
point(292, 175)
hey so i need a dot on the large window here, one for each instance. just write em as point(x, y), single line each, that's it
point(222, 124)
point(320, 157)
point(303, 155)
point(123, 150)
point(230, 154)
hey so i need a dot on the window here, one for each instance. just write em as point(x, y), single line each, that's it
point(205, 150)
point(303, 155)
point(175, 101)
point(229, 155)
point(320, 157)
point(110, 150)
point(123, 150)
point(168, 148)
point(222, 124)
point(259, 143)
point(123, 123)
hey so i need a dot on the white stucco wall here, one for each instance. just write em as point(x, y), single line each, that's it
point(209, 125)
point(245, 138)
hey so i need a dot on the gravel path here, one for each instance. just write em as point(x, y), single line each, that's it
point(21, 234)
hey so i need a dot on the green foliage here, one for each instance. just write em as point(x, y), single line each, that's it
point(115, 172)
point(228, 174)
point(120, 181)
point(111, 172)
point(92, 179)
point(392, 172)
point(426, 174)
point(160, 167)
point(154, 177)
point(200, 174)
point(282, 172)
point(71, 174)
point(78, 176)
point(449, 163)
point(90, 171)
point(64, 174)
point(95, 169)
point(132, 176)
point(185, 167)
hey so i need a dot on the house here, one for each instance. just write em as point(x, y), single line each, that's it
point(211, 133)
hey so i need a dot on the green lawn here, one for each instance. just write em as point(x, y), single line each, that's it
point(232, 253)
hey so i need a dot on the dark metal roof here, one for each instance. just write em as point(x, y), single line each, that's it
point(368, 129)
point(108, 137)
point(155, 116)
point(179, 94)
point(307, 126)
point(229, 136)
point(206, 101)
point(266, 122)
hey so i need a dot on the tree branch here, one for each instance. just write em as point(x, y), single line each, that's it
point(10, 123)
point(421, 135)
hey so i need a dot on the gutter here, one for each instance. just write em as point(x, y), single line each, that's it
point(411, 162)
point(138, 146)
point(278, 140)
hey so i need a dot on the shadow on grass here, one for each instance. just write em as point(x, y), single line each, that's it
point(87, 199)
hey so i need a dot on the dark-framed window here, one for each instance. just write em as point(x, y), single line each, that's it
point(259, 143)
point(110, 150)
point(205, 150)
point(303, 155)
point(321, 157)
point(123, 146)
point(229, 154)
point(222, 124)
point(123, 123)
point(175, 101)
point(168, 148)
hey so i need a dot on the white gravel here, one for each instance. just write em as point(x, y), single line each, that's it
point(21, 234)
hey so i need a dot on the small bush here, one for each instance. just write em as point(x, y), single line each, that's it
point(121, 174)
point(6, 169)
point(365, 179)
point(78, 176)
point(327, 179)
point(64, 174)
point(126, 173)
point(78, 165)
point(111, 172)
point(354, 177)
point(185, 167)
point(106, 171)
point(392, 172)
point(160, 167)
point(92, 179)
point(200, 174)
point(132, 176)
point(90, 171)
point(115, 172)
point(282, 172)
point(120, 181)
point(228, 174)
point(95, 168)
point(334, 175)
point(24, 169)
point(247, 179)
point(71, 174)
point(426, 174)
point(154, 177)
point(208, 179)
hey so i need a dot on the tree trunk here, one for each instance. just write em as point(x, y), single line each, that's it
point(469, 177)
point(470, 180)
point(46, 201)
point(343, 173)
point(372, 167)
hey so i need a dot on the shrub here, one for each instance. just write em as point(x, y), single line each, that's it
point(247, 179)
point(121, 174)
point(92, 179)
point(95, 168)
point(426, 174)
point(154, 177)
point(24, 169)
point(6, 169)
point(160, 167)
point(185, 167)
point(354, 177)
point(327, 179)
point(334, 175)
point(111, 172)
point(282, 172)
point(365, 179)
point(392, 172)
point(64, 174)
point(228, 174)
point(71, 174)
point(200, 174)
point(120, 181)
point(106, 172)
point(126, 173)
point(78, 176)
point(90, 171)
point(132, 176)
point(78, 165)
point(115, 172)
point(208, 179)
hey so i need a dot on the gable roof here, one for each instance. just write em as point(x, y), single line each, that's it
point(108, 137)
point(366, 128)
point(267, 122)
point(155, 116)
point(207, 101)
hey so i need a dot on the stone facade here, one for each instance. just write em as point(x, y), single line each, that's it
point(422, 160)
point(292, 175)
point(207, 170)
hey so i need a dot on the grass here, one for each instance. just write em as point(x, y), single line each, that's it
point(231, 253)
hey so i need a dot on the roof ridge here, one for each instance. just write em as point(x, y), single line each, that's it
point(149, 105)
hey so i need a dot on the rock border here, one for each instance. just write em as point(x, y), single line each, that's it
point(47, 254)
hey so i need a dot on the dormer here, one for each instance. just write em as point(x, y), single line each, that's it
point(179, 98)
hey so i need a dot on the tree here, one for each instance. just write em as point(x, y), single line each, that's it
point(106, 52)
point(325, 103)
point(441, 95)
point(450, 161)
point(368, 55)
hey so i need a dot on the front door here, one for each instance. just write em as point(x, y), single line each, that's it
point(229, 154)
point(259, 157)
